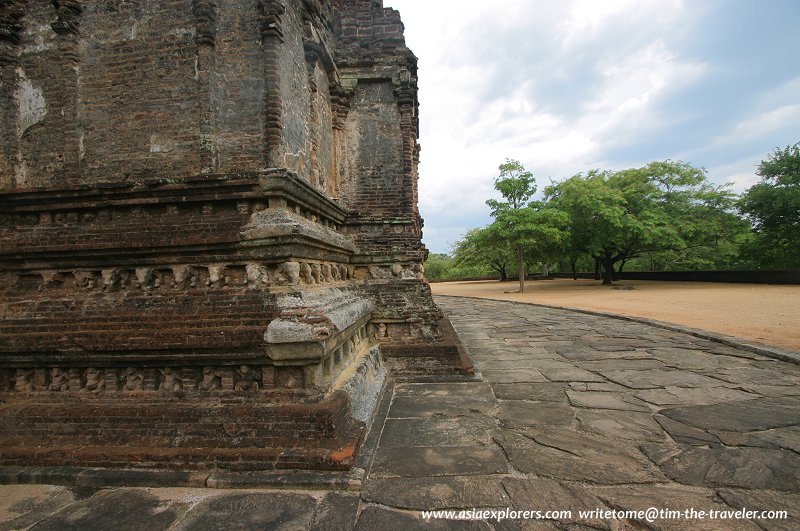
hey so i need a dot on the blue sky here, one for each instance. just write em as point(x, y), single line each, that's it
point(570, 85)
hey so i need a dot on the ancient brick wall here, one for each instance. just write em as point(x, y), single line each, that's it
point(136, 91)
point(149, 431)
point(380, 169)
point(207, 201)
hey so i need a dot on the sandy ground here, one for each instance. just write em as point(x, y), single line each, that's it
point(764, 313)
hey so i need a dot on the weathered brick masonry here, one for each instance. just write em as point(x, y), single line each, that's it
point(208, 231)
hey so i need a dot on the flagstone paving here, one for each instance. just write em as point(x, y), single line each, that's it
point(574, 412)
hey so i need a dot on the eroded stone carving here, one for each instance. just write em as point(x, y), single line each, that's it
point(379, 272)
point(188, 277)
point(95, 380)
point(379, 331)
point(165, 379)
point(216, 274)
point(51, 278)
point(24, 380)
point(59, 379)
point(419, 271)
point(111, 278)
point(183, 276)
point(171, 379)
point(292, 272)
point(305, 273)
point(256, 274)
point(247, 378)
point(289, 377)
point(316, 273)
point(211, 379)
point(423, 331)
point(145, 276)
point(134, 379)
point(85, 279)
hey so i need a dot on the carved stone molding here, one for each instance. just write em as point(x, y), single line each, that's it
point(104, 380)
point(11, 12)
point(236, 216)
point(205, 14)
point(340, 105)
point(68, 13)
point(270, 12)
point(252, 275)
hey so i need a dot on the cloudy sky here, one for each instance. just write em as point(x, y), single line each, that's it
point(565, 86)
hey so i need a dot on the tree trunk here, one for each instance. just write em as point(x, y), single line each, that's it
point(503, 274)
point(597, 268)
point(608, 270)
point(618, 271)
point(521, 268)
point(544, 270)
point(573, 264)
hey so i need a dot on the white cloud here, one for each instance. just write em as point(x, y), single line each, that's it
point(626, 100)
point(759, 124)
point(568, 86)
point(587, 18)
point(589, 22)
point(782, 94)
point(741, 174)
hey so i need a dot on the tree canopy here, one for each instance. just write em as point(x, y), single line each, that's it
point(530, 226)
point(773, 205)
point(486, 248)
point(665, 215)
point(663, 207)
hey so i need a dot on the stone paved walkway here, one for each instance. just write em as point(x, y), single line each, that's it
point(575, 412)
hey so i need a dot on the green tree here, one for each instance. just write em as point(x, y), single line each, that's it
point(773, 205)
point(661, 199)
point(485, 247)
point(437, 266)
point(711, 236)
point(595, 211)
point(517, 186)
point(526, 224)
point(661, 207)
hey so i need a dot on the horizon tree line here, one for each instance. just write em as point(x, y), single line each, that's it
point(665, 215)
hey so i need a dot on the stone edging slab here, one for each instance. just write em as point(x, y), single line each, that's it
point(789, 356)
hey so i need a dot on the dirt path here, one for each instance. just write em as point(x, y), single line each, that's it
point(763, 313)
